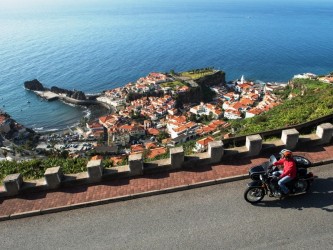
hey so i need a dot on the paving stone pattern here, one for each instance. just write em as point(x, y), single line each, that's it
point(26, 203)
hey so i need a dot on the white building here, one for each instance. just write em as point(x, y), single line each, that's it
point(202, 144)
point(305, 76)
point(232, 114)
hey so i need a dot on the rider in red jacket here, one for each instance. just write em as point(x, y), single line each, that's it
point(289, 169)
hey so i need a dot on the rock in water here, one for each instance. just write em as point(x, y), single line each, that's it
point(34, 85)
point(58, 90)
point(79, 95)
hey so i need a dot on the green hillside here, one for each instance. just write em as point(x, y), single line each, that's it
point(311, 99)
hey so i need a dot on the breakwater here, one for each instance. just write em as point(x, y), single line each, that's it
point(50, 96)
point(85, 102)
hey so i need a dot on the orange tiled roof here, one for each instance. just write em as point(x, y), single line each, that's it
point(237, 105)
point(150, 145)
point(246, 101)
point(180, 129)
point(178, 119)
point(218, 122)
point(95, 125)
point(117, 159)
point(97, 157)
point(231, 111)
point(137, 148)
point(156, 152)
point(245, 85)
point(107, 118)
point(256, 111)
point(153, 131)
point(207, 129)
point(205, 141)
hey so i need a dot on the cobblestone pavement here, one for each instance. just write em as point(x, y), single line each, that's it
point(71, 197)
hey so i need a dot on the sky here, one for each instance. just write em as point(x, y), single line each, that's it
point(9, 7)
point(16, 4)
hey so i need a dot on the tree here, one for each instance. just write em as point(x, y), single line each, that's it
point(64, 154)
point(210, 116)
point(162, 135)
point(193, 117)
point(146, 153)
point(108, 163)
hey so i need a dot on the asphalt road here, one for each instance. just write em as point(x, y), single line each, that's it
point(215, 217)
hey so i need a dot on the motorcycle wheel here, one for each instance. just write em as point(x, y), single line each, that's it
point(308, 186)
point(303, 186)
point(254, 194)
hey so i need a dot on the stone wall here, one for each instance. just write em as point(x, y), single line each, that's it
point(254, 145)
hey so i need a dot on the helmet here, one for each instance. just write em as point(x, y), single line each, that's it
point(286, 153)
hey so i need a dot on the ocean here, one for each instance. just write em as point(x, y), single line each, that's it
point(97, 45)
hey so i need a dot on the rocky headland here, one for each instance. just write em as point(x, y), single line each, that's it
point(213, 79)
point(75, 97)
point(34, 85)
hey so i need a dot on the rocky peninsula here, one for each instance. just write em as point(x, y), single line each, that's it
point(75, 97)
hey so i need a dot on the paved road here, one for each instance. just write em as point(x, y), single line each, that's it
point(215, 217)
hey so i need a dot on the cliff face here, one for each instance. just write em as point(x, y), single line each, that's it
point(34, 85)
point(194, 96)
point(203, 92)
point(211, 80)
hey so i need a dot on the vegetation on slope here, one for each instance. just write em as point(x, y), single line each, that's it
point(35, 169)
point(310, 99)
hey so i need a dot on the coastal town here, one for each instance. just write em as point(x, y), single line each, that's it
point(158, 111)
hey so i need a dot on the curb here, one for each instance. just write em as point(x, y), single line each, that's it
point(122, 198)
point(138, 195)
point(323, 162)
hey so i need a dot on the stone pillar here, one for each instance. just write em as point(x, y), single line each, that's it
point(290, 138)
point(176, 157)
point(324, 132)
point(13, 183)
point(215, 151)
point(253, 144)
point(95, 170)
point(135, 162)
point(53, 177)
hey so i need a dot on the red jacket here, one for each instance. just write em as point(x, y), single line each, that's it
point(289, 167)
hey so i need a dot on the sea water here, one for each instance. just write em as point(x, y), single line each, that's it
point(97, 45)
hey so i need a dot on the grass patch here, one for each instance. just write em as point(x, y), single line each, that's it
point(196, 74)
point(173, 85)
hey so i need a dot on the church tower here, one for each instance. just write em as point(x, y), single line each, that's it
point(242, 79)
